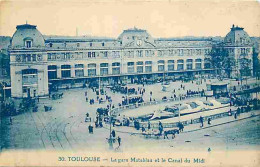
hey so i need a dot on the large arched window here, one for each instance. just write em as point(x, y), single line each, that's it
point(116, 68)
point(140, 67)
point(29, 76)
point(79, 70)
point(92, 69)
point(104, 69)
point(130, 67)
point(148, 66)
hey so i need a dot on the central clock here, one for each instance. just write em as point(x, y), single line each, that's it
point(139, 42)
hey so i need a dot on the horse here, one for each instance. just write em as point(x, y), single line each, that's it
point(173, 132)
point(60, 95)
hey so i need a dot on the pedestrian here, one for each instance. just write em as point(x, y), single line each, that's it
point(201, 121)
point(90, 129)
point(143, 129)
point(149, 125)
point(113, 133)
point(100, 124)
point(86, 99)
point(229, 112)
point(209, 121)
point(119, 141)
point(235, 115)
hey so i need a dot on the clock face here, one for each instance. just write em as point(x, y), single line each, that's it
point(139, 42)
point(18, 58)
point(39, 57)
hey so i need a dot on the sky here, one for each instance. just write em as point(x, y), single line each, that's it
point(161, 18)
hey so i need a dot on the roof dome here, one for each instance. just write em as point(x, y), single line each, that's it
point(27, 32)
point(237, 36)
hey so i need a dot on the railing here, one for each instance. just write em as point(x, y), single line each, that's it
point(116, 111)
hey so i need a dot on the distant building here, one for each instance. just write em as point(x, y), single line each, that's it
point(38, 63)
point(239, 45)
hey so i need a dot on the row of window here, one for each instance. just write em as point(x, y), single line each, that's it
point(141, 67)
point(116, 54)
point(241, 50)
point(28, 57)
point(78, 44)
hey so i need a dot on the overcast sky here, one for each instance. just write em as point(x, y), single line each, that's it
point(161, 18)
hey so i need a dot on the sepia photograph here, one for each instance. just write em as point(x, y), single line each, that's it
point(129, 83)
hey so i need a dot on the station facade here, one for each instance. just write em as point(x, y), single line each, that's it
point(40, 63)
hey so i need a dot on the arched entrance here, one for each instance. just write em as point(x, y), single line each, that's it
point(30, 82)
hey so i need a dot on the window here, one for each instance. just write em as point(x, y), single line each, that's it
point(93, 54)
point(189, 64)
point(148, 66)
point(103, 44)
point(90, 44)
point(78, 44)
point(29, 77)
point(89, 54)
point(52, 72)
point(105, 54)
point(65, 71)
point(180, 65)
point(24, 58)
point(28, 44)
point(79, 70)
point(51, 45)
point(148, 53)
point(92, 69)
point(28, 57)
point(170, 65)
point(198, 64)
point(161, 65)
point(34, 57)
point(140, 68)
point(104, 69)
point(130, 67)
point(116, 68)
point(140, 53)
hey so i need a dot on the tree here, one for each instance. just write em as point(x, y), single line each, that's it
point(256, 63)
point(245, 69)
point(222, 61)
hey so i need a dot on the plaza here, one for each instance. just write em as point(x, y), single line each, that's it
point(64, 127)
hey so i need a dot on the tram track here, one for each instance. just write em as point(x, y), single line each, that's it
point(40, 133)
point(45, 129)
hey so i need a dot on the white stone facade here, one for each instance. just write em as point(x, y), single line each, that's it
point(37, 61)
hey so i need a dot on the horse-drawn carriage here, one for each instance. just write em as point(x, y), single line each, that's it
point(57, 96)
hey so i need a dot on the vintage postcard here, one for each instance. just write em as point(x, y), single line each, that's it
point(129, 83)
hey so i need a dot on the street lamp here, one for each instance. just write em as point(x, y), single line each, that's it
point(110, 141)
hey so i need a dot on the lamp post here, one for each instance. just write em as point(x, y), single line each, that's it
point(110, 141)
